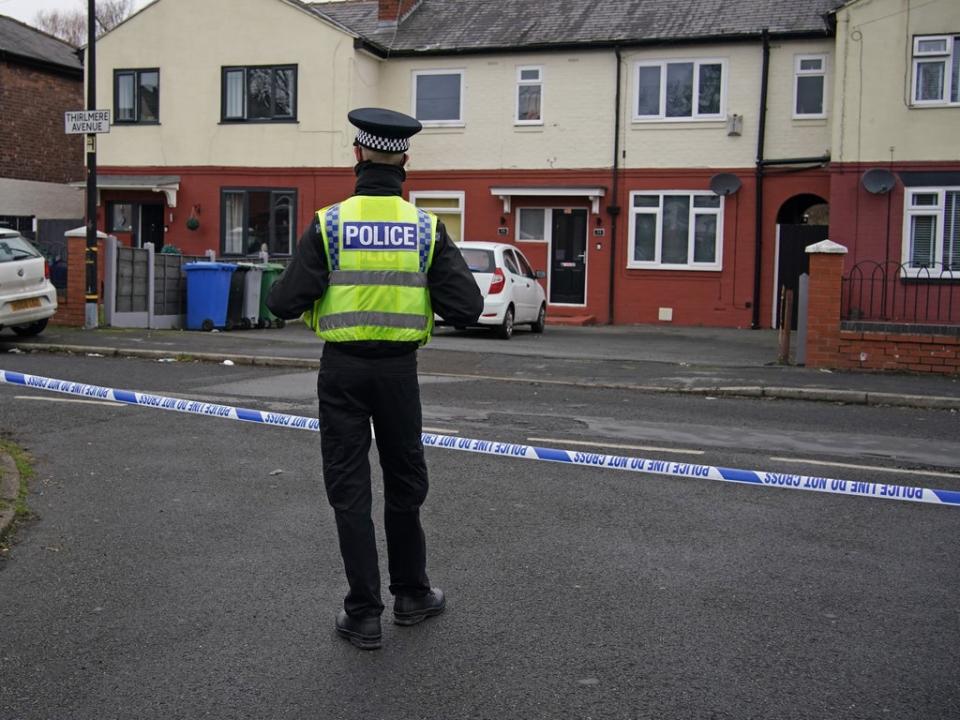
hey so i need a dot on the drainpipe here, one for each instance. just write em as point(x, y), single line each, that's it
point(614, 209)
point(758, 251)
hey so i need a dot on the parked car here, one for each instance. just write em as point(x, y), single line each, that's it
point(27, 297)
point(511, 294)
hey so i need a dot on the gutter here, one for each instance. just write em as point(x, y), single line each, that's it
point(614, 208)
point(758, 184)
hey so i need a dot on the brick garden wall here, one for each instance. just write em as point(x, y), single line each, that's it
point(72, 307)
point(830, 346)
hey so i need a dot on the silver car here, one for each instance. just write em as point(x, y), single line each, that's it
point(27, 297)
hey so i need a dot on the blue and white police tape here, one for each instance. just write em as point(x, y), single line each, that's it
point(669, 468)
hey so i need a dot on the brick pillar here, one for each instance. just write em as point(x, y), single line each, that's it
point(823, 308)
point(72, 311)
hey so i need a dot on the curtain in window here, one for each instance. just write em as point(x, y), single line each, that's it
point(676, 229)
point(648, 91)
point(234, 90)
point(951, 232)
point(930, 80)
point(955, 76)
point(233, 223)
point(149, 97)
point(125, 107)
point(438, 97)
point(531, 224)
point(645, 237)
point(528, 102)
point(923, 240)
point(709, 101)
point(282, 239)
point(679, 90)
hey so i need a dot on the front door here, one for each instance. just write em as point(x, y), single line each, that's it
point(794, 261)
point(568, 257)
point(151, 226)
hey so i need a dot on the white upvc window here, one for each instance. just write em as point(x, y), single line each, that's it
point(678, 90)
point(532, 224)
point(447, 205)
point(675, 230)
point(936, 70)
point(529, 109)
point(438, 97)
point(810, 86)
point(931, 230)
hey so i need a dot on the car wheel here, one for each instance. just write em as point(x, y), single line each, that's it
point(506, 328)
point(541, 321)
point(31, 329)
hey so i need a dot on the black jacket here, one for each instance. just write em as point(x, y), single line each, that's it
point(453, 292)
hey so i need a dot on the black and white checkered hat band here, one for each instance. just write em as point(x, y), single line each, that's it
point(375, 142)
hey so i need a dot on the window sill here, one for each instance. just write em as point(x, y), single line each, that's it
point(674, 268)
point(638, 123)
point(133, 123)
point(442, 124)
point(284, 121)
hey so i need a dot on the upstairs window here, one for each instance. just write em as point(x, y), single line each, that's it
point(259, 94)
point(438, 97)
point(136, 96)
point(809, 88)
point(529, 96)
point(675, 230)
point(680, 90)
point(932, 229)
point(936, 70)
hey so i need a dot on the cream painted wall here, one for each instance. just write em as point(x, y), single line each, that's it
point(706, 143)
point(578, 96)
point(189, 41)
point(875, 122)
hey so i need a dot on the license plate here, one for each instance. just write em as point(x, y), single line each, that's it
point(18, 305)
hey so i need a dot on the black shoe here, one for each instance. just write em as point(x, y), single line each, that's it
point(409, 610)
point(363, 633)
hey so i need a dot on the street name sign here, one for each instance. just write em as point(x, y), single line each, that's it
point(87, 122)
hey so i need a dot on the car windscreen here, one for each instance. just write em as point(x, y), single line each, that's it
point(479, 261)
point(14, 247)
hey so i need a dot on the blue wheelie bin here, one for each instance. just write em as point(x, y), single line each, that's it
point(208, 290)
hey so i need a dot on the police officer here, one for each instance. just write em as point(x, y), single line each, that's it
point(368, 275)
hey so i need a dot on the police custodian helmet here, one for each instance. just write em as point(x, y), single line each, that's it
point(383, 130)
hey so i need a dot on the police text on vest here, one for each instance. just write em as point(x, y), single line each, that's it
point(379, 236)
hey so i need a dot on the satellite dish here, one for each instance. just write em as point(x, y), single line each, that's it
point(725, 183)
point(878, 181)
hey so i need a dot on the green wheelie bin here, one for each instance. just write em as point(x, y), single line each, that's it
point(271, 272)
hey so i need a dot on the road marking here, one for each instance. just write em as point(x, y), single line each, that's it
point(441, 431)
point(68, 400)
point(654, 448)
point(867, 467)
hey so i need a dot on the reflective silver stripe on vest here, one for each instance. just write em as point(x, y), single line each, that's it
point(377, 319)
point(378, 277)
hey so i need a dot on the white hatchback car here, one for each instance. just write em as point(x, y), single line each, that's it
point(27, 298)
point(511, 294)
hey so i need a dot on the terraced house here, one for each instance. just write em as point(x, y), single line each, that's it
point(660, 161)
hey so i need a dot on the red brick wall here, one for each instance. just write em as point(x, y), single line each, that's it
point(35, 146)
point(828, 346)
point(896, 351)
point(72, 308)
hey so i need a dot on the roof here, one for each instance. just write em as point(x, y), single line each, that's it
point(37, 47)
point(445, 26)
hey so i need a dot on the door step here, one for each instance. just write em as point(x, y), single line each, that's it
point(574, 320)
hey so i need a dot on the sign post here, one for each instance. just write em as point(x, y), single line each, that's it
point(91, 320)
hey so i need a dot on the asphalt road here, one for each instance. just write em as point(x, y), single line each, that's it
point(183, 567)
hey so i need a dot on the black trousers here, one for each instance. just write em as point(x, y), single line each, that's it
point(352, 391)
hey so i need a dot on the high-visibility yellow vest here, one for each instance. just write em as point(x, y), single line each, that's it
point(378, 250)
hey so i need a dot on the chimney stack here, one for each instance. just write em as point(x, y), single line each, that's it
point(390, 12)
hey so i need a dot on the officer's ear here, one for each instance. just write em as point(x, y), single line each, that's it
point(403, 162)
point(358, 153)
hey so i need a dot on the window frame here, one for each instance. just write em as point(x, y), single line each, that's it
point(459, 195)
point(414, 85)
point(690, 265)
point(695, 115)
point(546, 225)
point(295, 92)
point(245, 191)
point(939, 211)
point(919, 56)
point(800, 73)
point(517, 120)
point(136, 73)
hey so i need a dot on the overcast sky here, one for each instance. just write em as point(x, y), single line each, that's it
point(26, 10)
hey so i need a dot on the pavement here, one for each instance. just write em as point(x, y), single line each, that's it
point(651, 358)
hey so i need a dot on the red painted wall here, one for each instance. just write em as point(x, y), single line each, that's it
point(722, 298)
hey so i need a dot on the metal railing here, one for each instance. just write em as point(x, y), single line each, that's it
point(894, 292)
